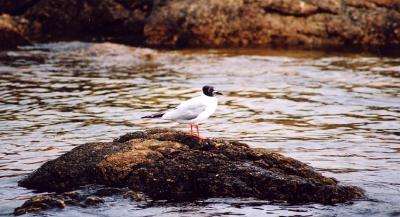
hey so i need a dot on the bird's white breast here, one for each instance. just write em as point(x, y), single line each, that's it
point(212, 103)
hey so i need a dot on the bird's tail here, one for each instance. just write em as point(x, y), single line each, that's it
point(158, 115)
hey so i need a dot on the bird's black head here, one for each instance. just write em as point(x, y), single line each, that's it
point(210, 91)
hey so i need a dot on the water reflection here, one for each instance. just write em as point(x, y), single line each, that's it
point(339, 113)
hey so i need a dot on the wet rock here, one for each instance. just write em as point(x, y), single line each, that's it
point(93, 200)
point(72, 198)
point(172, 165)
point(72, 195)
point(12, 32)
point(103, 192)
point(39, 203)
point(327, 24)
point(136, 196)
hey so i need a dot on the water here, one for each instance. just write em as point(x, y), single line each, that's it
point(338, 112)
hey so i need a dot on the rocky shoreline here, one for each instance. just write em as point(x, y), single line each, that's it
point(171, 165)
point(311, 24)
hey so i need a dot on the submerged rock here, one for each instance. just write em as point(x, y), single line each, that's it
point(172, 165)
point(39, 203)
point(93, 200)
point(85, 197)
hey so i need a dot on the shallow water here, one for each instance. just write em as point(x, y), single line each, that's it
point(338, 112)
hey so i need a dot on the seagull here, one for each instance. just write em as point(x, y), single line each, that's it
point(193, 111)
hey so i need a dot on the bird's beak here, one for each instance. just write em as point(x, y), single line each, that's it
point(217, 93)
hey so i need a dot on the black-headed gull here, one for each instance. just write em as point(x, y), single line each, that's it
point(193, 111)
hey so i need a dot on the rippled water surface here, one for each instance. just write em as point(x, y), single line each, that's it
point(338, 112)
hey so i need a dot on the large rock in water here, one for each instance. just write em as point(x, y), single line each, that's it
point(167, 164)
point(321, 24)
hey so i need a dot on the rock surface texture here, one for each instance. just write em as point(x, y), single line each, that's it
point(321, 24)
point(12, 32)
point(172, 165)
point(80, 198)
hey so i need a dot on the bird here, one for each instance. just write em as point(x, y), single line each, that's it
point(193, 111)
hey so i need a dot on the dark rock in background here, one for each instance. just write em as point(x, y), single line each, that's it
point(12, 32)
point(16, 7)
point(313, 24)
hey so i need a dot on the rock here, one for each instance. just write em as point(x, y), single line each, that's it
point(39, 203)
point(86, 19)
point(60, 200)
point(93, 200)
point(15, 7)
point(103, 192)
point(12, 32)
point(70, 198)
point(136, 196)
point(277, 23)
point(172, 165)
point(72, 195)
point(328, 24)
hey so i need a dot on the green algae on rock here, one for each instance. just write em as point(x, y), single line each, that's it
point(172, 165)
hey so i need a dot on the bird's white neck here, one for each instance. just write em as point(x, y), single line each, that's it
point(203, 95)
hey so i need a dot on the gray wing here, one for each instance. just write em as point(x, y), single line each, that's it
point(185, 112)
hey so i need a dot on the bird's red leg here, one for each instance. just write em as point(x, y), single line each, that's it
point(198, 133)
point(191, 130)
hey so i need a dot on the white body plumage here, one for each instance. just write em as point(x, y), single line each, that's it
point(193, 111)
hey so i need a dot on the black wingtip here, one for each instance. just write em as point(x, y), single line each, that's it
point(159, 115)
